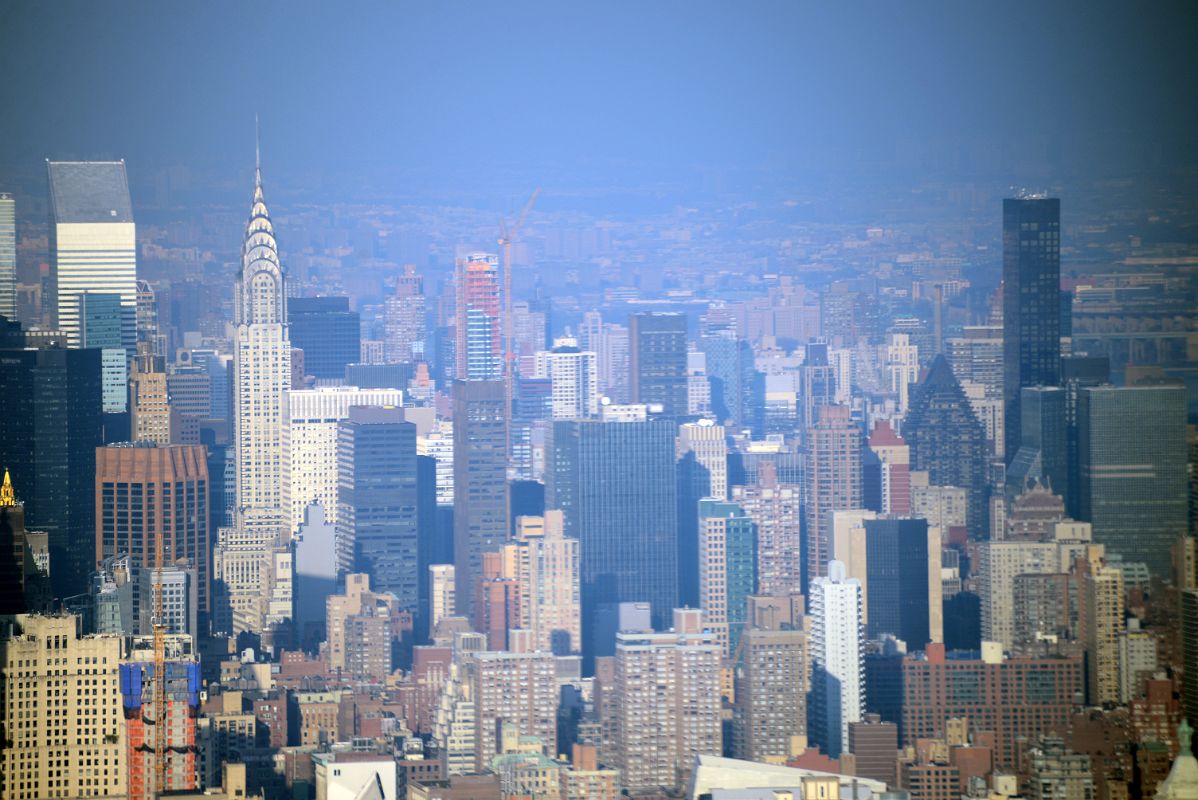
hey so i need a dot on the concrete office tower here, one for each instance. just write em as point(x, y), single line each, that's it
point(1077, 373)
point(1042, 456)
point(615, 483)
point(8, 257)
point(480, 488)
point(902, 562)
point(1132, 451)
point(775, 509)
point(849, 548)
point(479, 342)
point(437, 444)
point(707, 442)
point(261, 379)
point(377, 525)
point(727, 570)
point(887, 474)
point(834, 481)
point(999, 562)
point(817, 384)
point(737, 389)
point(328, 332)
point(902, 368)
point(149, 336)
point(874, 745)
point(666, 704)
point(546, 564)
point(55, 746)
point(658, 361)
point(53, 424)
point(149, 402)
point(361, 626)
point(146, 493)
point(403, 319)
point(947, 441)
point(519, 689)
point(771, 682)
point(1031, 295)
point(574, 381)
point(837, 659)
point(441, 593)
point(1100, 618)
point(100, 319)
point(310, 470)
point(93, 241)
point(610, 343)
point(702, 473)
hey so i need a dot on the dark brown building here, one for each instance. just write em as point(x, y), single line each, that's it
point(874, 744)
point(146, 493)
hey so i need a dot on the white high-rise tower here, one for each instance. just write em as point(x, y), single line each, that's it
point(837, 659)
point(262, 377)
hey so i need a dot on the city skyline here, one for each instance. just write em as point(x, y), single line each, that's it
point(661, 402)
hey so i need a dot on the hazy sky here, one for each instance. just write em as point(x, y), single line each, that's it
point(588, 89)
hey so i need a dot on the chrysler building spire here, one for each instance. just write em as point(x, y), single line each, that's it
point(261, 297)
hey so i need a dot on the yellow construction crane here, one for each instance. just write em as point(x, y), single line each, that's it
point(506, 237)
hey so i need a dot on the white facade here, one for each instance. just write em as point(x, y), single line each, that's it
point(8, 257)
point(310, 471)
point(262, 378)
point(442, 597)
point(438, 443)
point(902, 367)
point(573, 377)
point(94, 242)
point(706, 440)
point(338, 779)
point(837, 656)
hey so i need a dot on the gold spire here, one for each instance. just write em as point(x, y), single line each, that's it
point(8, 498)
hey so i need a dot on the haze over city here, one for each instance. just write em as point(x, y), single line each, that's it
point(582, 401)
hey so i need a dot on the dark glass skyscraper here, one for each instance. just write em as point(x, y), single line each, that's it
point(615, 484)
point(658, 361)
point(1042, 454)
point(947, 440)
point(53, 425)
point(480, 487)
point(896, 562)
point(1031, 237)
point(1078, 372)
point(328, 332)
point(377, 501)
point(1133, 452)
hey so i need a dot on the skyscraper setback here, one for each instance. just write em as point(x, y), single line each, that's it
point(1031, 303)
point(262, 376)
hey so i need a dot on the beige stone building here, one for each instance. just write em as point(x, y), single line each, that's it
point(60, 707)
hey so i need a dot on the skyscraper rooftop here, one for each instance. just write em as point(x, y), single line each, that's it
point(89, 191)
